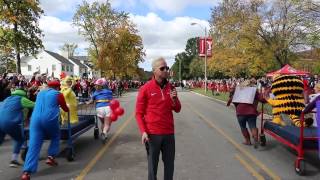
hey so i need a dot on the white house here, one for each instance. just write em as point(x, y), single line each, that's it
point(47, 62)
point(89, 71)
point(79, 68)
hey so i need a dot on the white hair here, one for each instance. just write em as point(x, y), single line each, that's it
point(156, 61)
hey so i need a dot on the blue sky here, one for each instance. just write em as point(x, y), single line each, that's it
point(163, 25)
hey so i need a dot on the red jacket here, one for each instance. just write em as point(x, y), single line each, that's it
point(154, 109)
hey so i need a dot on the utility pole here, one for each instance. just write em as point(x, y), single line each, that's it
point(205, 60)
point(180, 71)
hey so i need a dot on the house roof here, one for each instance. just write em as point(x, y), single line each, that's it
point(58, 57)
point(85, 60)
point(77, 61)
point(82, 58)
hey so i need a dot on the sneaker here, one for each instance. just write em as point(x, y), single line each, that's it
point(14, 164)
point(256, 144)
point(51, 161)
point(103, 137)
point(25, 176)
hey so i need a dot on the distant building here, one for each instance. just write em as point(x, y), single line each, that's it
point(53, 64)
point(90, 72)
point(46, 62)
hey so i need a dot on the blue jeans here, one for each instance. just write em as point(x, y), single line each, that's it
point(38, 131)
point(250, 119)
point(16, 133)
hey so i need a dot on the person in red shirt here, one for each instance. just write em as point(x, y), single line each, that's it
point(155, 102)
point(247, 114)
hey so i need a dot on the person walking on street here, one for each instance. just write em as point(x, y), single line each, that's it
point(44, 122)
point(247, 114)
point(155, 102)
point(11, 121)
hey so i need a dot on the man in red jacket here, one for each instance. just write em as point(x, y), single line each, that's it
point(155, 103)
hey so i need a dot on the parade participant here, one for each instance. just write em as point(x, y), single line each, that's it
point(102, 98)
point(288, 91)
point(5, 88)
point(11, 110)
point(312, 104)
point(85, 87)
point(155, 102)
point(44, 123)
point(247, 114)
point(71, 101)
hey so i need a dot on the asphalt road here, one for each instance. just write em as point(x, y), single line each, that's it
point(208, 147)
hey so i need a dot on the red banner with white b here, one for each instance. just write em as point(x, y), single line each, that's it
point(203, 44)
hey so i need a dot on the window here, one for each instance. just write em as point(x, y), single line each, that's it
point(71, 68)
point(67, 68)
point(29, 68)
point(53, 67)
point(62, 67)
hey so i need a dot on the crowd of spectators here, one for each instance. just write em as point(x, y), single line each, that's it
point(83, 87)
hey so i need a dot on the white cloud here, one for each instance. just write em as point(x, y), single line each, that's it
point(166, 38)
point(160, 37)
point(57, 6)
point(176, 6)
point(58, 32)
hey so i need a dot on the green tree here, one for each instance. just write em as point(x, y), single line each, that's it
point(7, 63)
point(191, 51)
point(197, 68)
point(19, 27)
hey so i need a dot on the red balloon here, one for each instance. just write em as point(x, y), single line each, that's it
point(114, 104)
point(113, 117)
point(119, 111)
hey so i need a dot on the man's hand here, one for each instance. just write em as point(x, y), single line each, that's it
point(174, 93)
point(89, 102)
point(144, 138)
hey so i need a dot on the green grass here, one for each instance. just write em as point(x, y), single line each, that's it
point(221, 96)
point(225, 96)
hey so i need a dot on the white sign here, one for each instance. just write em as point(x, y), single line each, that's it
point(244, 95)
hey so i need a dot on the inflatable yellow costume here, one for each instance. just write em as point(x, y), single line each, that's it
point(71, 101)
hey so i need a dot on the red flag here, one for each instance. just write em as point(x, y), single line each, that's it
point(203, 46)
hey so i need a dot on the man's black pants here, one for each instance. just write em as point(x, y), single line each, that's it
point(165, 144)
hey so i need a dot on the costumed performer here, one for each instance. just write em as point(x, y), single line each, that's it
point(11, 121)
point(44, 123)
point(71, 100)
point(102, 97)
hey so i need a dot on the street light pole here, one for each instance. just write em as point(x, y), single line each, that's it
point(180, 71)
point(205, 55)
point(205, 60)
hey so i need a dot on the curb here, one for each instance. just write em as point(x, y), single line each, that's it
point(220, 101)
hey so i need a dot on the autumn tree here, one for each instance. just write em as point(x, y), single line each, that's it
point(107, 30)
point(121, 56)
point(257, 36)
point(19, 28)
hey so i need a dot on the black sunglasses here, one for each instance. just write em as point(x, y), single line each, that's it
point(164, 68)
